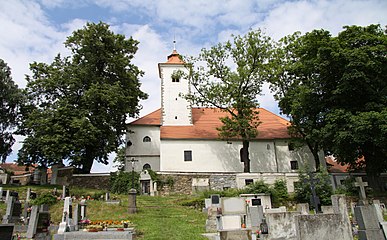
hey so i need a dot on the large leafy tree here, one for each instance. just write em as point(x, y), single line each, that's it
point(10, 100)
point(301, 76)
point(79, 104)
point(357, 123)
point(231, 79)
point(334, 89)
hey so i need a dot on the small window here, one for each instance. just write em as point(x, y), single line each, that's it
point(291, 146)
point(293, 165)
point(249, 181)
point(188, 155)
point(268, 146)
point(146, 139)
point(175, 79)
point(146, 166)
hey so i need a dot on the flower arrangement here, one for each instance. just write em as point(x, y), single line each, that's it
point(102, 224)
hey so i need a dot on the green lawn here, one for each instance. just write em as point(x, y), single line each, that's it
point(157, 217)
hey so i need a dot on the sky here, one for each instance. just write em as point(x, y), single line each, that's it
point(34, 30)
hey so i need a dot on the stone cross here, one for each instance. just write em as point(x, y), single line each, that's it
point(315, 200)
point(362, 195)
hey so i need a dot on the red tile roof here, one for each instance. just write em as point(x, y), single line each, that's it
point(335, 167)
point(206, 120)
point(16, 169)
point(175, 58)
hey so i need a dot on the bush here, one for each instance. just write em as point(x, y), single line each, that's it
point(44, 198)
point(279, 191)
point(121, 182)
point(322, 186)
point(257, 187)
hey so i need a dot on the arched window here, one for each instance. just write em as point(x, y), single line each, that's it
point(146, 166)
point(146, 139)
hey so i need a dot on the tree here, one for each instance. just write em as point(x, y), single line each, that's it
point(357, 123)
point(334, 89)
point(120, 159)
point(78, 105)
point(300, 80)
point(231, 81)
point(11, 99)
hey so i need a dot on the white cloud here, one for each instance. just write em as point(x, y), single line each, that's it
point(305, 16)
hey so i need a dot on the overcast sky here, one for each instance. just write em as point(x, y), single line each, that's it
point(35, 30)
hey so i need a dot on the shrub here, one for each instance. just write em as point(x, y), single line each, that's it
point(257, 187)
point(121, 182)
point(280, 193)
point(44, 198)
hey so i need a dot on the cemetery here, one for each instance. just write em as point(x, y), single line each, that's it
point(61, 212)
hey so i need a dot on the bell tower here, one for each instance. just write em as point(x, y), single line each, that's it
point(176, 110)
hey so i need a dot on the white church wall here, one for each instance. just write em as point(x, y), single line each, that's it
point(176, 109)
point(136, 135)
point(219, 156)
point(153, 161)
point(145, 152)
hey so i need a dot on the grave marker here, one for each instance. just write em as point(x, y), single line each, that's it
point(362, 194)
point(314, 199)
point(67, 221)
point(13, 211)
point(6, 231)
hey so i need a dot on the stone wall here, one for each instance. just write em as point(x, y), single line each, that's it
point(183, 182)
point(92, 180)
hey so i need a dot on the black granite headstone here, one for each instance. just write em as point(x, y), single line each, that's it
point(6, 231)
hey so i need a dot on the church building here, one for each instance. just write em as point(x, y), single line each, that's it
point(181, 141)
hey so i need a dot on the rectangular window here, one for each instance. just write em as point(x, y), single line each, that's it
point(294, 165)
point(291, 146)
point(188, 155)
point(249, 181)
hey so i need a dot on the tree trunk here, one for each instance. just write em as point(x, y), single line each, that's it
point(245, 156)
point(87, 162)
point(373, 167)
point(316, 159)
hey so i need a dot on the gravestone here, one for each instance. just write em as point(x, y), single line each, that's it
point(67, 219)
point(6, 231)
point(13, 211)
point(327, 209)
point(255, 216)
point(233, 205)
point(1, 193)
point(77, 216)
point(83, 206)
point(260, 199)
point(39, 223)
point(303, 208)
point(65, 192)
point(33, 222)
point(362, 194)
point(132, 206)
point(314, 199)
point(107, 196)
point(366, 215)
point(7, 194)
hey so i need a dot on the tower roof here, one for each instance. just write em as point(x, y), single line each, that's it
point(174, 58)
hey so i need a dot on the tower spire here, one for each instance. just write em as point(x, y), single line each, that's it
point(174, 42)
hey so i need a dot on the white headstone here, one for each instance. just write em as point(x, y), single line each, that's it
point(230, 222)
point(207, 203)
point(7, 196)
point(281, 209)
point(33, 222)
point(28, 194)
point(233, 205)
point(66, 220)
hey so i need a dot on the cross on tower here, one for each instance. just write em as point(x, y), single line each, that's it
point(362, 195)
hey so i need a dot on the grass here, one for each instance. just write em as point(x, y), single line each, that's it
point(158, 218)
